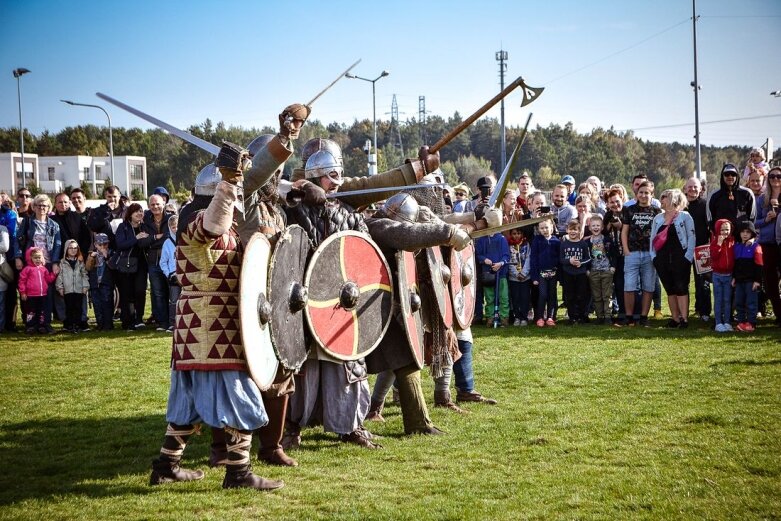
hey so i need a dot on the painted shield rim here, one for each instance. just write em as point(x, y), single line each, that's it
point(455, 278)
point(259, 371)
point(406, 309)
point(444, 304)
point(272, 263)
point(308, 277)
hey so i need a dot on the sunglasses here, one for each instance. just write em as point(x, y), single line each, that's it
point(26, 196)
point(730, 174)
point(774, 176)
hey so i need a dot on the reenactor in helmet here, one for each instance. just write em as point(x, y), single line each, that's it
point(339, 389)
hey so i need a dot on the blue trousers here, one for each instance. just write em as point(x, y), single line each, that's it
point(722, 298)
point(746, 302)
point(463, 368)
point(519, 298)
point(547, 299)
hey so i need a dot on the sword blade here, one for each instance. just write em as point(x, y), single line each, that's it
point(504, 180)
point(509, 226)
point(333, 82)
point(385, 189)
point(200, 143)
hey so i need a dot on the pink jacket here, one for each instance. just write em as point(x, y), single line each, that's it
point(34, 280)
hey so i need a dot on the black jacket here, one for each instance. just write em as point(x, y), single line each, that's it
point(320, 222)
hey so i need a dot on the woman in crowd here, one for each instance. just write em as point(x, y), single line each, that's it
point(130, 268)
point(587, 190)
point(766, 220)
point(42, 232)
point(672, 251)
point(583, 205)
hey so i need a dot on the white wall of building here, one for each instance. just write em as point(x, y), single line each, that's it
point(11, 170)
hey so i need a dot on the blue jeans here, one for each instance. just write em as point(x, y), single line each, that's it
point(547, 299)
point(746, 302)
point(463, 369)
point(519, 298)
point(702, 301)
point(158, 285)
point(722, 298)
point(103, 304)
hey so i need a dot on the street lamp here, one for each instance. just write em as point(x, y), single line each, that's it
point(372, 157)
point(110, 135)
point(18, 73)
point(776, 93)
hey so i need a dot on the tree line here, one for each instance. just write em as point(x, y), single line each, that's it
point(548, 152)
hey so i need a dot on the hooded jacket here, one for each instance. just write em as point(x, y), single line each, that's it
point(72, 279)
point(735, 203)
point(722, 258)
point(34, 280)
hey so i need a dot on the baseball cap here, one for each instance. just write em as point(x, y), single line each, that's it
point(568, 180)
point(101, 238)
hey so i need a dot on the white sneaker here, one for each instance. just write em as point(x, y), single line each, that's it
point(524, 323)
point(517, 322)
point(720, 328)
point(727, 327)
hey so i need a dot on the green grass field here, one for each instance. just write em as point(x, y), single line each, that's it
point(592, 423)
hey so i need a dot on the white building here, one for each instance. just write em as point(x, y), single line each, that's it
point(11, 170)
point(52, 174)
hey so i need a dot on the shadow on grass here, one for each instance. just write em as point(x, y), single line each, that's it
point(88, 457)
point(748, 362)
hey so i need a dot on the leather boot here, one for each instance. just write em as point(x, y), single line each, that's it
point(442, 399)
point(360, 437)
point(270, 436)
point(166, 469)
point(375, 412)
point(473, 396)
point(238, 473)
point(218, 452)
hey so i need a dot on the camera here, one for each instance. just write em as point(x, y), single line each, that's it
point(485, 191)
point(544, 209)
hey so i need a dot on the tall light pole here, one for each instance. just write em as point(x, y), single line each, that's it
point(18, 73)
point(110, 135)
point(501, 57)
point(372, 157)
point(696, 86)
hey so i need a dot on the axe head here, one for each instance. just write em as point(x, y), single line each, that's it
point(530, 94)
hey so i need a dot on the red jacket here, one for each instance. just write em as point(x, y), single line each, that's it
point(34, 280)
point(722, 258)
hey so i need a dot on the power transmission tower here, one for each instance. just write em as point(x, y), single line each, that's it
point(394, 114)
point(422, 118)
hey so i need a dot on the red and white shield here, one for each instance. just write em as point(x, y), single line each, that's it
point(350, 295)
point(410, 300)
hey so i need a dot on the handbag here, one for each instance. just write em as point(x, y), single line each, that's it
point(123, 263)
point(488, 277)
point(661, 238)
point(6, 271)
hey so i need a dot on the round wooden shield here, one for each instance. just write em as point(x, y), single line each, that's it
point(462, 284)
point(440, 278)
point(350, 295)
point(255, 312)
point(409, 298)
point(288, 294)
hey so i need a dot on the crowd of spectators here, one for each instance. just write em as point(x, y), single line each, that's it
point(56, 262)
point(612, 255)
point(607, 252)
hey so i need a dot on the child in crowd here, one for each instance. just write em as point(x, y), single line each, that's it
point(756, 163)
point(519, 280)
point(72, 284)
point(747, 277)
point(722, 261)
point(575, 256)
point(34, 282)
point(600, 273)
point(168, 266)
point(492, 253)
point(101, 283)
point(543, 267)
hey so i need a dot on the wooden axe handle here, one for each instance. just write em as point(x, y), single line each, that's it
point(471, 119)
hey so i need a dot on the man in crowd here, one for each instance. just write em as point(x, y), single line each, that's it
point(563, 211)
point(525, 187)
point(639, 272)
point(697, 209)
point(24, 204)
point(106, 217)
point(155, 224)
point(731, 201)
point(569, 182)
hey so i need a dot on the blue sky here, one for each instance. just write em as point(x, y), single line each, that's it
point(625, 64)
